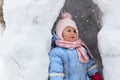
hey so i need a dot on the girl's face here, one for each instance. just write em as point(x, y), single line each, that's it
point(69, 34)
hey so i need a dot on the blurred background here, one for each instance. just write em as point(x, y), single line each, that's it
point(2, 23)
point(1, 13)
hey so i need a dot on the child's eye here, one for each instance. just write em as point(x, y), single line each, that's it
point(74, 31)
point(69, 30)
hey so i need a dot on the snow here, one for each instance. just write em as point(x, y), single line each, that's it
point(108, 38)
point(2, 27)
point(25, 43)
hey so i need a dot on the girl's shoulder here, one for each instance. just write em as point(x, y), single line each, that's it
point(57, 51)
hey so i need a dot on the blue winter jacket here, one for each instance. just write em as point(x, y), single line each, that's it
point(64, 65)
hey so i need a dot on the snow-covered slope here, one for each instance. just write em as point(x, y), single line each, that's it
point(26, 40)
point(108, 38)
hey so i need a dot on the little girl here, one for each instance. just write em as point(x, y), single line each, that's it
point(71, 59)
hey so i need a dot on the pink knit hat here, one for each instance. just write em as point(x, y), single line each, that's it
point(63, 23)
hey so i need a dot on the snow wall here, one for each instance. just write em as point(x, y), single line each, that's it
point(26, 42)
point(108, 38)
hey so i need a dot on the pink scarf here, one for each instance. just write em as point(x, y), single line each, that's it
point(83, 57)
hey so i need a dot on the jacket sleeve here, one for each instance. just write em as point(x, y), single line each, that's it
point(55, 66)
point(92, 67)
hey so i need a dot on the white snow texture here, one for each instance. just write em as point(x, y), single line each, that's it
point(108, 38)
point(25, 43)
